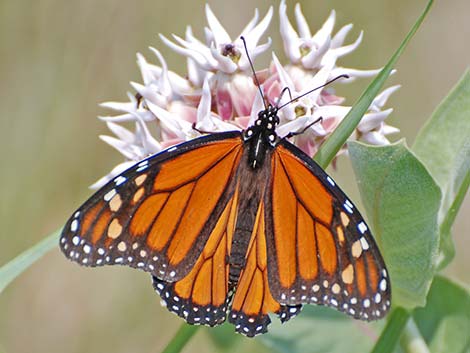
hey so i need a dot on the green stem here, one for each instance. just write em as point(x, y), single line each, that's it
point(392, 331)
point(19, 264)
point(181, 338)
point(411, 340)
point(338, 138)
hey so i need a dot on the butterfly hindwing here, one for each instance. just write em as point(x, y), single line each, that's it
point(201, 297)
point(321, 249)
point(158, 215)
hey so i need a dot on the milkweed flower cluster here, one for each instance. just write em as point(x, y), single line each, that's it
point(218, 92)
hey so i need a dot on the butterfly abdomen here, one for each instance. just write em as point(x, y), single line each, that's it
point(252, 184)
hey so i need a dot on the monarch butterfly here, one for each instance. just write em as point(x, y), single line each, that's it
point(238, 222)
point(235, 223)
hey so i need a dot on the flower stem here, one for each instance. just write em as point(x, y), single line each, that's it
point(181, 338)
point(392, 331)
point(411, 340)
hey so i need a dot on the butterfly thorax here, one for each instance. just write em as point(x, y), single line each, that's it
point(261, 136)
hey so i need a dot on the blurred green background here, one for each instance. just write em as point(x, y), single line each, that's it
point(59, 59)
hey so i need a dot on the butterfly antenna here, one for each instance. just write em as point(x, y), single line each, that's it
point(303, 95)
point(254, 73)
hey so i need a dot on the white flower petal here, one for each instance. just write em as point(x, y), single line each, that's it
point(289, 36)
point(324, 34)
point(388, 130)
point(149, 94)
point(372, 121)
point(244, 64)
point(221, 36)
point(145, 115)
point(253, 35)
point(315, 56)
point(197, 56)
point(195, 74)
point(164, 85)
point(302, 25)
point(119, 106)
point(284, 77)
point(147, 74)
point(328, 111)
point(204, 108)
point(353, 73)
point(177, 126)
point(316, 81)
point(340, 36)
point(375, 138)
point(121, 132)
point(121, 146)
point(299, 124)
point(382, 98)
point(342, 51)
point(149, 144)
point(251, 24)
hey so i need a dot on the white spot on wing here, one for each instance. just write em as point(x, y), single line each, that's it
point(347, 207)
point(109, 195)
point(76, 240)
point(120, 180)
point(364, 243)
point(362, 227)
point(74, 226)
point(383, 284)
point(331, 181)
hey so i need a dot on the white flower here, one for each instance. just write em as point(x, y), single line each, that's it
point(218, 93)
point(313, 52)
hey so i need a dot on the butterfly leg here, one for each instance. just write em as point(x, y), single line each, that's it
point(295, 133)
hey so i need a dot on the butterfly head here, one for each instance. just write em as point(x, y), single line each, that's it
point(264, 128)
point(261, 136)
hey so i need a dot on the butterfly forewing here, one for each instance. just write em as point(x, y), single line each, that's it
point(201, 297)
point(158, 215)
point(323, 250)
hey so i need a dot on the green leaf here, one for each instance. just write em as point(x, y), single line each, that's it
point(319, 330)
point(15, 267)
point(443, 145)
point(445, 320)
point(402, 202)
point(338, 138)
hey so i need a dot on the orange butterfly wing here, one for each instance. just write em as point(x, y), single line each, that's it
point(319, 248)
point(177, 214)
point(253, 300)
point(158, 215)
